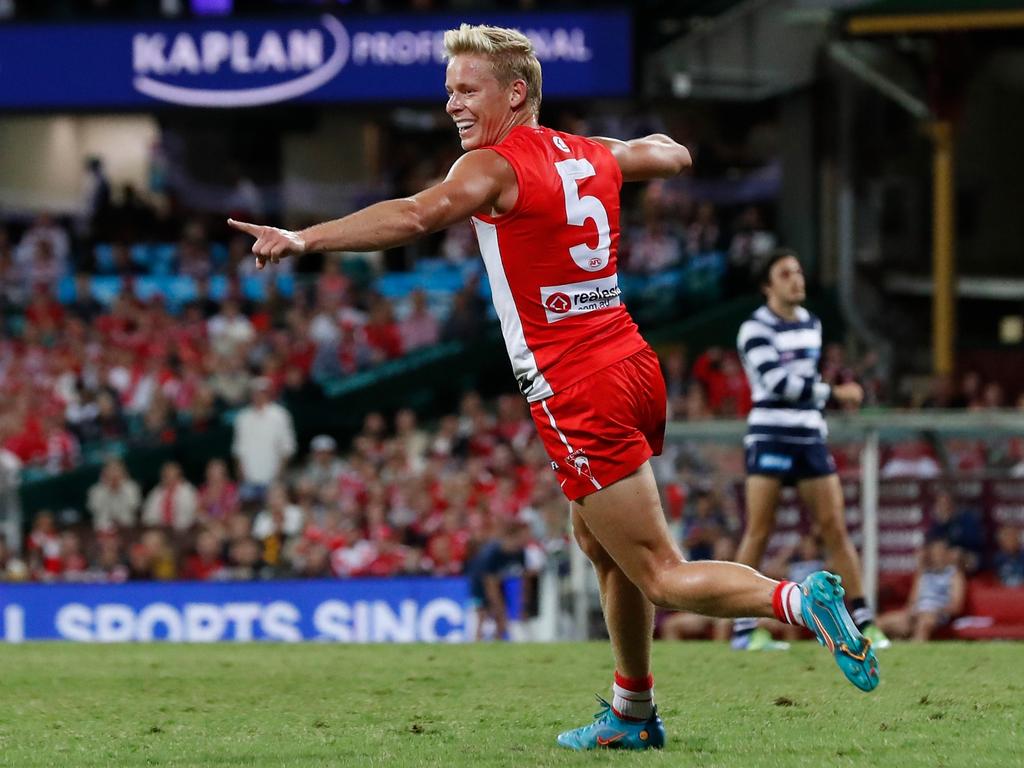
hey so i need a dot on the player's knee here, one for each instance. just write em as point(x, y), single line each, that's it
point(657, 587)
point(593, 550)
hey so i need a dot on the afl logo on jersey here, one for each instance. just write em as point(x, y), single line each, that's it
point(560, 143)
point(559, 303)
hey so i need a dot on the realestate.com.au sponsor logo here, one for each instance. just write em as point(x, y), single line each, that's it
point(183, 68)
point(562, 301)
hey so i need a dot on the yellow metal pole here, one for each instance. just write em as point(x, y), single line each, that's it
point(943, 249)
point(910, 23)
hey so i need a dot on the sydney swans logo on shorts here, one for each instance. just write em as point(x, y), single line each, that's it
point(578, 460)
point(562, 301)
point(296, 61)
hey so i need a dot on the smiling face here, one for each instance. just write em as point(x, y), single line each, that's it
point(483, 109)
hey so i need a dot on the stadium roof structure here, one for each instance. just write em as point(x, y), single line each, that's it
point(899, 17)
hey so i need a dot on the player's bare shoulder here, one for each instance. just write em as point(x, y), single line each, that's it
point(487, 172)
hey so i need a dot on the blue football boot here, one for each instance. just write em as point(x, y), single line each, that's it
point(826, 616)
point(609, 731)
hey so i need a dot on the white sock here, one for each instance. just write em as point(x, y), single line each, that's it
point(633, 698)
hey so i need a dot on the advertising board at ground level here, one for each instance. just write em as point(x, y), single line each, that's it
point(352, 610)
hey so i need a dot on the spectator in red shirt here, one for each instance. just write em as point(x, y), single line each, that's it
point(205, 562)
point(44, 547)
point(382, 333)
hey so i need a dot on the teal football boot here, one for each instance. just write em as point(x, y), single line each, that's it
point(609, 731)
point(826, 616)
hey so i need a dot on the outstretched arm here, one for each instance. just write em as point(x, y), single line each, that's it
point(474, 183)
point(653, 157)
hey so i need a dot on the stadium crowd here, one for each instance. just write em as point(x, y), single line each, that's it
point(403, 501)
point(77, 371)
point(79, 366)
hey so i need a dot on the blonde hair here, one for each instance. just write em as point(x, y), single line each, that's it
point(509, 50)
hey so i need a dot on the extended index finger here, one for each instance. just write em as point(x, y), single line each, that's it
point(245, 226)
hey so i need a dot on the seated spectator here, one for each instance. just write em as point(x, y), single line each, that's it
point(243, 563)
point(969, 396)
point(992, 396)
point(114, 500)
point(62, 448)
point(204, 563)
point(109, 566)
point(466, 318)
point(73, 565)
point(1009, 560)
point(231, 381)
point(961, 528)
point(382, 332)
point(911, 459)
point(230, 331)
point(278, 516)
point(704, 234)
point(12, 568)
point(751, 242)
point(323, 465)
point(936, 598)
point(420, 328)
point(218, 495)
point(412, 440)
point(724, 382)
point(173, 503)
point(84, 306)
point(332, 285)
point(315, 563)
point(654, 247)
point(44, 314)
point(676, 368)
point(43, 547)
point(703, 525)
point(159, 557)
point(103, 422)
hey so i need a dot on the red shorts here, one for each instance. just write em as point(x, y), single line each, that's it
point(604, 427)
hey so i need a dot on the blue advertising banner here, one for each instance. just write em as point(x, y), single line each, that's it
point(247, 63)
point(354, 610)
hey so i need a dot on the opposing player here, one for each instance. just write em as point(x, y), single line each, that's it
point(780, 346)
point(545, 207)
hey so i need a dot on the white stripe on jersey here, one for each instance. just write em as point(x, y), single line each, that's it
point(801, 338)
point(779, 417)
point(524, 365)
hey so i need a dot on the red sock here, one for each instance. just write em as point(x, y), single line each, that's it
point(786, 603)
point(633, 697)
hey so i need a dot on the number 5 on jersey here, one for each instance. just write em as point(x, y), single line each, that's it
point(579, 209)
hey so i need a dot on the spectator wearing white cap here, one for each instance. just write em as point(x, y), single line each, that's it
point(323, 466)
point(264, 441)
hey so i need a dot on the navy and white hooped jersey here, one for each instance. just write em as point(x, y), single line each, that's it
point(781, 360)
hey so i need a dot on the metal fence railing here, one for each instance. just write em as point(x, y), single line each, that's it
point(892, 466)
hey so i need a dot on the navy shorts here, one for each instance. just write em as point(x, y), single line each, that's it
point(791, 462)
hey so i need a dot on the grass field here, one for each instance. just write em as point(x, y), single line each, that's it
point(497, 705)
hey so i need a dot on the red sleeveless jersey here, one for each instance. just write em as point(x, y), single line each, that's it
point(551, 261)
